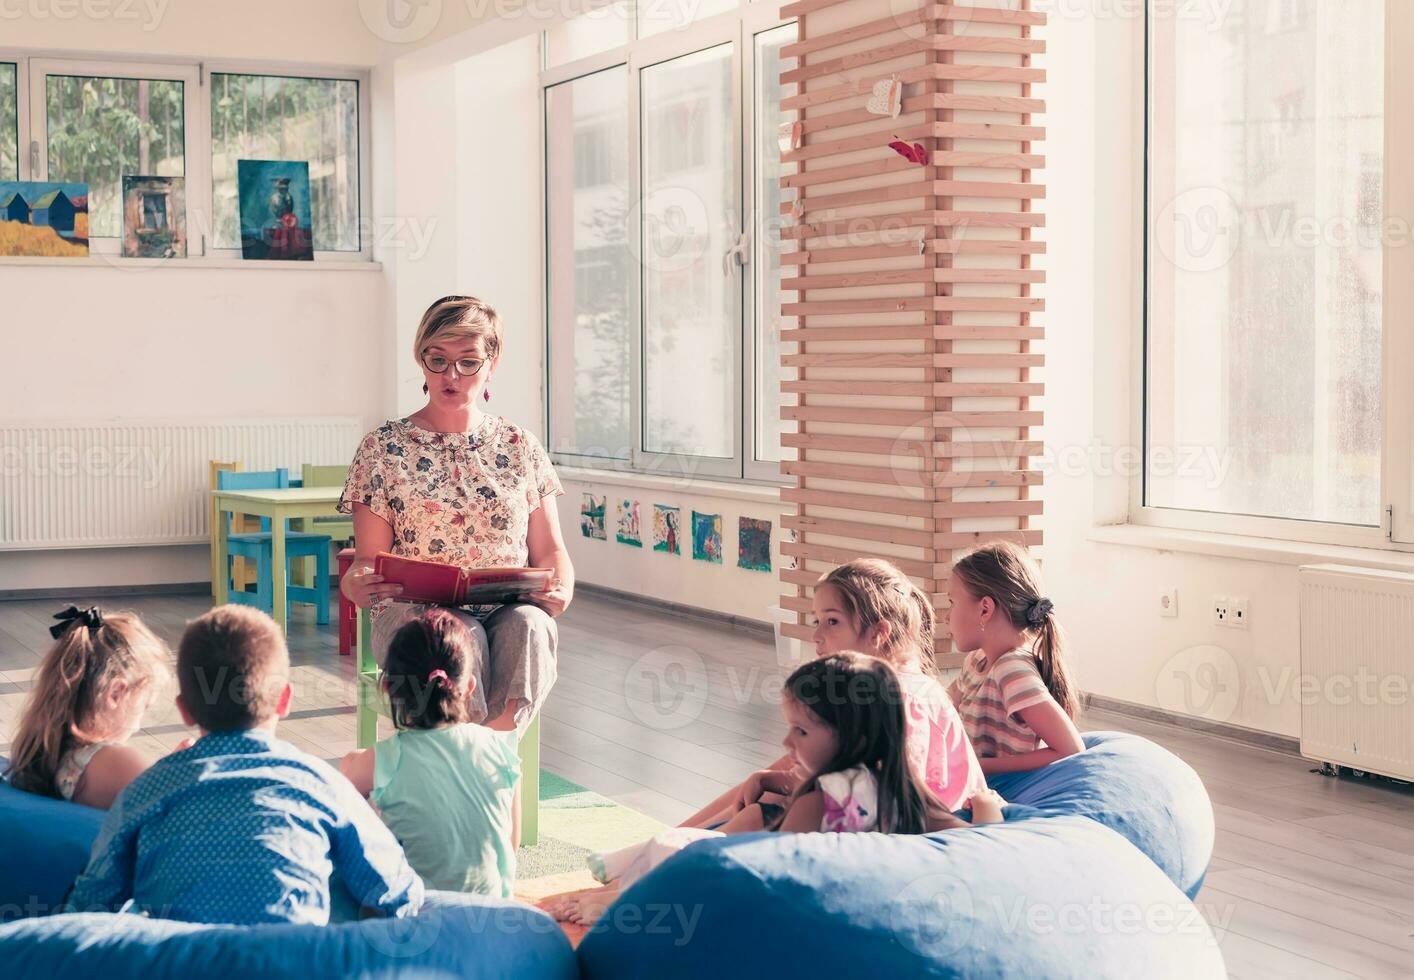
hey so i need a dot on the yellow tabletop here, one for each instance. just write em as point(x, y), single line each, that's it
point(278, 505)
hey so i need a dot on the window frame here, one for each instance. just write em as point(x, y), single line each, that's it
point(1395, 530)
point(21, 110)
point(661, 49)
point(605, 61)
point(366, 230)
point(32, 125)
point(755, 469)
point(739, 28)
point(193, 170)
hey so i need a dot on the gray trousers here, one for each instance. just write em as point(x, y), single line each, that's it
point(513, 656)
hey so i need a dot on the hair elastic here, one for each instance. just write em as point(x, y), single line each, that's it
point(439, 676)
point(92, 617)
point(1038, 611)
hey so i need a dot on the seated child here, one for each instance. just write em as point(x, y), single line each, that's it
point(846, 734)
point(868, 605)
point(241, 828)
point(1014, 693)
point(449, 790)
point(89, 695)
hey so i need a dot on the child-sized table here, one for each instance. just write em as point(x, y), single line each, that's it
point(278, 505)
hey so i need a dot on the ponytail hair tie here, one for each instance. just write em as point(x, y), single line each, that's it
point(1038, 612)
point(439, 676)
point(92, 617)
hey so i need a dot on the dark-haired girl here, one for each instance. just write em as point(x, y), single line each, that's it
point(1014, 694)
point(448, 789)
point(846, 735)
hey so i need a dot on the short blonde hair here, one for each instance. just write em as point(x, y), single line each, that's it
point(463, 318)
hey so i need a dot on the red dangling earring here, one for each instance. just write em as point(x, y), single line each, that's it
point(486, 393)
point(424, 387)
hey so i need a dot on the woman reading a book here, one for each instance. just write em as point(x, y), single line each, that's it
point(453, 484)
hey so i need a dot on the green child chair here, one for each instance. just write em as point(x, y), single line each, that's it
point(339, 529)
point(372, 703)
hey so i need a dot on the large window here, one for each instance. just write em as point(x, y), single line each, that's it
point(1264, 394)
point(9, 121)
point(691, 297)
point(100, 128)
point(662, 241)
point(95, 122)
point(590, 351)
point(273, 117)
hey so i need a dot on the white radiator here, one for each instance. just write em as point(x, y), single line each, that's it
point(1357, 666)
point(144, 482)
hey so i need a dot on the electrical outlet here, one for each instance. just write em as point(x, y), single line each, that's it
point(1222, 610)
point(1168, 603)
point(1239, 616)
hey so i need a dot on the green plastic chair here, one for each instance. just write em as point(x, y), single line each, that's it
point(339, 529)
point(372, 703)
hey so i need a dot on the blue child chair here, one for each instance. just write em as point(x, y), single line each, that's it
point(257, 547)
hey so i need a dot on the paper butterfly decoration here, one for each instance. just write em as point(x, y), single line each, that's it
point(912, 152)
point(886, 99)
point(797, 208)
point(790, 135)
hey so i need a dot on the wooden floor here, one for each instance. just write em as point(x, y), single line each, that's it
point(1312, 877)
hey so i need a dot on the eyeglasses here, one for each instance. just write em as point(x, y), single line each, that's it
point(466, 366)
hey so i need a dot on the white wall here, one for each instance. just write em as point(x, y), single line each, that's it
point(101, 340)
point(498, 215)
point(319, 31)
point(724, 588)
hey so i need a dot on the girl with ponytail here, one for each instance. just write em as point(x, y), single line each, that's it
point(1015, 694)
point(90, 693)
point(448, 789)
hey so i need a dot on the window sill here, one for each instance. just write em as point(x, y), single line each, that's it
point(101, 261)
point(1248, 548)
point(754, 493)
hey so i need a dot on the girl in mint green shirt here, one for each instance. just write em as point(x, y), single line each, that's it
point(447, 789)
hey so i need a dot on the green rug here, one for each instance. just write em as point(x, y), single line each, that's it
point(573, 822)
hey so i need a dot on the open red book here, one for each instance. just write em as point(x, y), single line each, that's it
point(447, 585)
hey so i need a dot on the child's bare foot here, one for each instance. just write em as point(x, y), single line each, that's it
point(987, 807)
point(565, 906)
point(584, 907)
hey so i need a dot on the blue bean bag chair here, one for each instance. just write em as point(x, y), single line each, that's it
point(454, 936)
point(45, 843)
point(1090, 875)
point(1135, 787)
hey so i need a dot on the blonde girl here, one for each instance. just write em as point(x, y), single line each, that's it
point(90, 693)
point(1015, 694)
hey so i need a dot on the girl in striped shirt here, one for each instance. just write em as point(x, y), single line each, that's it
point(1014, 694)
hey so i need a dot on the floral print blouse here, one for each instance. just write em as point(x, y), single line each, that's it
point(464, 498)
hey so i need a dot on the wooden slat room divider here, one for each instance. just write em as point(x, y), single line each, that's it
point(914, 313)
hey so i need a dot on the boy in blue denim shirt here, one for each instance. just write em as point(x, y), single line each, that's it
point(241, 828)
